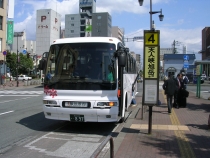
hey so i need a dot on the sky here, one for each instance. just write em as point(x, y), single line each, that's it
point(183, 19)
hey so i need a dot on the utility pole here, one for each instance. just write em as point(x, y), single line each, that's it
point(174, 47)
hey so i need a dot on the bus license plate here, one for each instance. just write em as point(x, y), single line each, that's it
point(77, 118)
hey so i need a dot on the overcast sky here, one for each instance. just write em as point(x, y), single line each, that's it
point(183, 19)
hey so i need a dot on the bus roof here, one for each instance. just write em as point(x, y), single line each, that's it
point(86, 40)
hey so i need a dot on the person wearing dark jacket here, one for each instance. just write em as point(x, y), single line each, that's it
point(170, 87)
point(178, 86)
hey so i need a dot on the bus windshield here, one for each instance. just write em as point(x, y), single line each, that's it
point(81, 66)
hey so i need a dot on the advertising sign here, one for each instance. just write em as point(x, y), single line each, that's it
point(88, 27)
point(10, 33)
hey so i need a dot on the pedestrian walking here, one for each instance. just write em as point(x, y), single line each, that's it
point(169, 86)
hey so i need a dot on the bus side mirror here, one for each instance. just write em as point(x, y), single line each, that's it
point(122, 56)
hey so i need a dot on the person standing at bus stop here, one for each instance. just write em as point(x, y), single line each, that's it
point(177, 91)
point(170, 87)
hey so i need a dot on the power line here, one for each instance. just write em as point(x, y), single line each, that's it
point(134, 33)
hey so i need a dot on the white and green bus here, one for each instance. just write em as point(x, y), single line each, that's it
point(83, 80)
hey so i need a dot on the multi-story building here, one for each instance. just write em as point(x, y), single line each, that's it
point(3, 19)
point(21, 44)
point(205, 44)
point(48, 28)
point(101, 24)
point(118, 33)
point(88, 22)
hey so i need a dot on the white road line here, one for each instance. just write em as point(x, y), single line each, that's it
point(14, 100)
point(20, 95)
point(6, 112)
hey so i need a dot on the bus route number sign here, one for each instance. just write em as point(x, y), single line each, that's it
point(151, 38)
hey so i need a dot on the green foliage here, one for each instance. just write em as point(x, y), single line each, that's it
point(24, 65)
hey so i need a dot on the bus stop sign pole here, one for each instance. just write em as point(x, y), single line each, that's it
point(151, 71)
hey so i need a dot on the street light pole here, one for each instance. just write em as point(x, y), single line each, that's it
point(161, 16)
point(17, 62)
point(17, 35)
point(150, 14)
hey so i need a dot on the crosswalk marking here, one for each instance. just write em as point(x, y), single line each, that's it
point(20, 92)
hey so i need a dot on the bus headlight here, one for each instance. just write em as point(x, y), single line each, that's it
point(107, 104)
point(49, 102)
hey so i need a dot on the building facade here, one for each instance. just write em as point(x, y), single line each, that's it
point(21, 44)
point(174, 64)
point(118, 33)
point(48, 29)
point(88, 23)
point(205, 43)
point(3, 20)
point(101, 24)
point(162, 52)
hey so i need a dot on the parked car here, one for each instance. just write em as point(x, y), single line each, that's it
point(24, 78)
point(204, 76)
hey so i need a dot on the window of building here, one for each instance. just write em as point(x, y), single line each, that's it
point(72, 31)
point(1, 4)
point(72, 18)
point(1, 21)
point(0, 44)
point(72, 24)
point(99, 17)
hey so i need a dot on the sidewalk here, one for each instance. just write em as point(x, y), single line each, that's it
point(183, 133)
point(21, 85)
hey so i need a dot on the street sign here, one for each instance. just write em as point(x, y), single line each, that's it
point(138, 38)
point(5, 52)
point(151, 38)
point(151, 67)
point(198, 70)
point(186, 65)
point(186, 57)
point(24, 51)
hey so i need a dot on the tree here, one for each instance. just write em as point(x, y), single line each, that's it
point(24, 65)
point(11, 59)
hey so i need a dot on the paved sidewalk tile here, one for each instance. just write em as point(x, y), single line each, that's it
point(183, 133)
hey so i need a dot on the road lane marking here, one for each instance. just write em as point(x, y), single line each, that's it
point(15, 99)
point(6, 112)
point(20, 95)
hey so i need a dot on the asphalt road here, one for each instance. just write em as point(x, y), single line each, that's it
point(26, 133)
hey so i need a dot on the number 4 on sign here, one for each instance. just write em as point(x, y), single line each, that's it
point(151, 38)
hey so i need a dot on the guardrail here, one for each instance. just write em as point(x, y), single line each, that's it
point(101, 146)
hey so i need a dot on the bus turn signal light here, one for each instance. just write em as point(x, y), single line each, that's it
point(111, 104)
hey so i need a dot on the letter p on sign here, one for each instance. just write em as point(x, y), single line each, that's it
point(43, 18)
